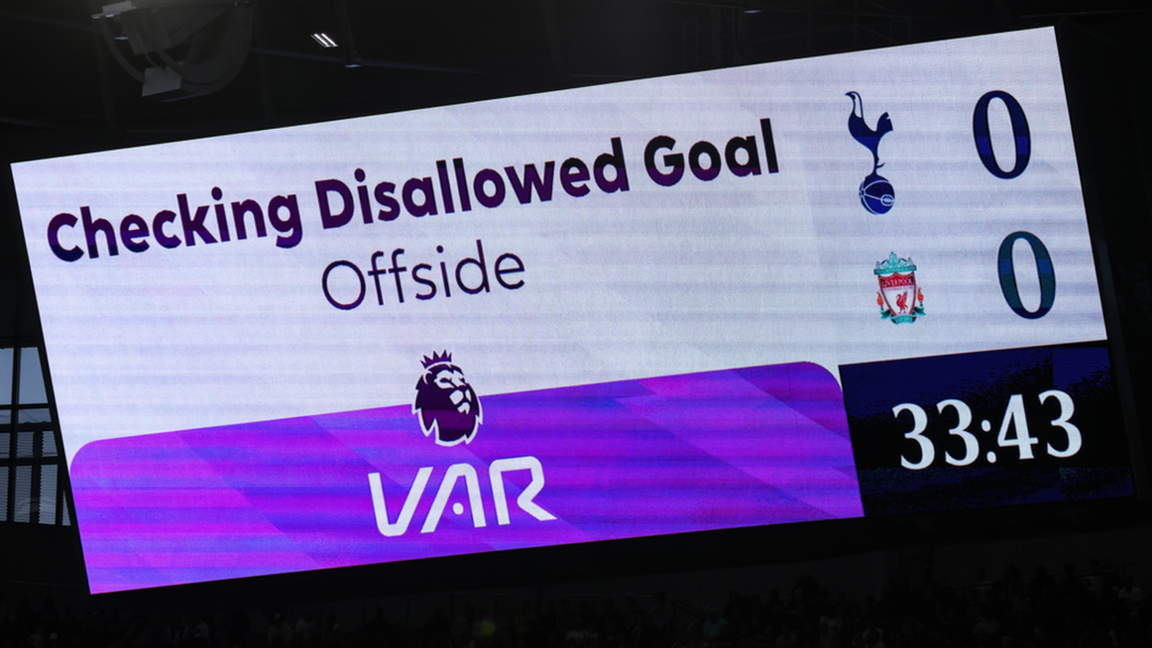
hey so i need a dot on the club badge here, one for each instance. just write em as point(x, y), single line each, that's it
point(876, 193)
point(900, 299)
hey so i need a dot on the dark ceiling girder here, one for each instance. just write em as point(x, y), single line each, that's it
point(1102, 12)
point(54, 22)
point(35, 123)
point(769, 7)
point(367, 62)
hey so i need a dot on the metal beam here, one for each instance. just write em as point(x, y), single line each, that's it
point(54, 22)
point(328, 58)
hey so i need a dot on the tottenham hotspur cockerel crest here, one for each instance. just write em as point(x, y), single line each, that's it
point(445, 402)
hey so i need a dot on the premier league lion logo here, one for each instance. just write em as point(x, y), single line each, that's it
point(445, 402)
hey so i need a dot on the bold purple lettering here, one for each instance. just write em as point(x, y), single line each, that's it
point(383, 195)
point(497, 181)
point(289, 225)
point(573, 175)
point(769, 145)
point(532, 180)
point(327, 219)
point(193, 224)
point(425, 208)
point(54, 225)
point(91, 227)
point(158, 221)
point(748, 145)
point(673, 160)
point(132, 228)
point(704, 148)
point(462, 184)
point(614, 159)
point(445, 188)
point(248, 207)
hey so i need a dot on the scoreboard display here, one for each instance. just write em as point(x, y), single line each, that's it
point(843, 286)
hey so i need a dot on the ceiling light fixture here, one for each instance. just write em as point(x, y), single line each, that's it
point(324, 39)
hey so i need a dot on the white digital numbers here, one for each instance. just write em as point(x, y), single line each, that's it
point(1014, 431)
point(919, 424)
point(1073, 432)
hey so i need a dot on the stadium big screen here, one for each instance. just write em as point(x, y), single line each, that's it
point(827, 288)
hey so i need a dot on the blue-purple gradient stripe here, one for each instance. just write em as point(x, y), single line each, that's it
point(715, 450)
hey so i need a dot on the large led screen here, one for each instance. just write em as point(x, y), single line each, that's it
point(808, 290)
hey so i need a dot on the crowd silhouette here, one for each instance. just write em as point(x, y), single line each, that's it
point(1095, 607)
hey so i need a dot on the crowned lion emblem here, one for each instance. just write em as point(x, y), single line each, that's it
point(445, 402)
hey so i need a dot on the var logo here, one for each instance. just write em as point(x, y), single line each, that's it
point(448, 408)
point(475, 499)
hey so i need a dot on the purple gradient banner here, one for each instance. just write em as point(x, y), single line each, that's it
point(716, 450)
